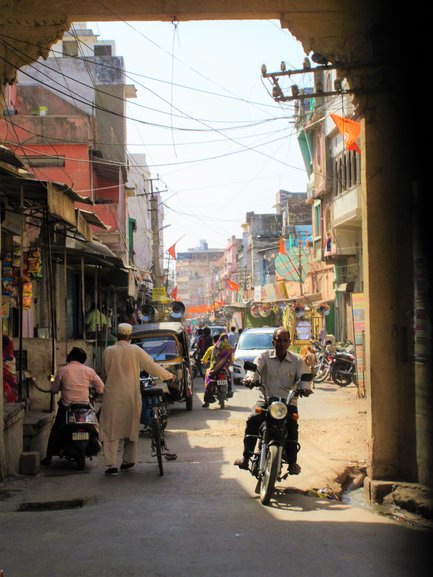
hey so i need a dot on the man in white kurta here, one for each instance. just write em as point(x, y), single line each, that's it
point(121, 404)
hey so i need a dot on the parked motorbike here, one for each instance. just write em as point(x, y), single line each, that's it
point(343, 368)
point(322, 368)
point(266, 462)
point(79, 434)
point(220, 387)
point(339, 366)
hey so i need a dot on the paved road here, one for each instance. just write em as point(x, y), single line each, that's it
point(202, 518)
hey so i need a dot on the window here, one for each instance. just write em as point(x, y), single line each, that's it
point(44, 161)
point(163, 348)
point(102, 50)
point(317, 220)
point(70, 48)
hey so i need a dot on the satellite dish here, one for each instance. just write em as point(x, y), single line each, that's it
point(284, 267)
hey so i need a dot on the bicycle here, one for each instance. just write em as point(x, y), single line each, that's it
point(154, 417)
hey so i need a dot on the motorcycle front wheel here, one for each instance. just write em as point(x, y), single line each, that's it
point(322, 373)
point(270, 473)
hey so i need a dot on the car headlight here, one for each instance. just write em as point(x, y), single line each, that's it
point(278, 410)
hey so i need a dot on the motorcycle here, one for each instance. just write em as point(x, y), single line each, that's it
point(79, 433)
point(322, 368)
point(343, 368)
point(339, 366)
point(266, 462)
point(220, 387)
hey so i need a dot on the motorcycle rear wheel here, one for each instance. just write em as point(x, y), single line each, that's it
point(270, 474)
point(80, 457)
point(340, 379)
point(221, 399)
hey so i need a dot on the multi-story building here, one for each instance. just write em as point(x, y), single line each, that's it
point(334, 193)
point(197, 274)
point(70, 127)
point(71, 244)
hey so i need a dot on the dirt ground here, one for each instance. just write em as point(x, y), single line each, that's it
point(332, 434)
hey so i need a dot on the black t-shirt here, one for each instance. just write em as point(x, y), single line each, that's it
point(203, 344)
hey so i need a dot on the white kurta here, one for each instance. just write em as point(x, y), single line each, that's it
point(121, 403)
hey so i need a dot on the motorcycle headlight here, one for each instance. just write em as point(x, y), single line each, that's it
point(278, 410)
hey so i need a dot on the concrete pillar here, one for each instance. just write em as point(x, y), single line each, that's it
point(387, 247)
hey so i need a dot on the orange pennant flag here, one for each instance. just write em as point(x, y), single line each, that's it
point(233, 286)
point(172, 251)
point(173, 293)
point(350, 129)
point(282, 247)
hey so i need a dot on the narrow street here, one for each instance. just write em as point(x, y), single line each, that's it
point(202, 518)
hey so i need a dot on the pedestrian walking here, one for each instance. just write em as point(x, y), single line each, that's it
point(121, 404)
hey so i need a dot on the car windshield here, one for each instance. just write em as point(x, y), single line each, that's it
point(250, 341)
point(217, 330)
point(160, 348)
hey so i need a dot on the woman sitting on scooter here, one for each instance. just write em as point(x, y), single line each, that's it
point(221, 359)
point(73, 381)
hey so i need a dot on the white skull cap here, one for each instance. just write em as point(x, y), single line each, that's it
point(124, 329)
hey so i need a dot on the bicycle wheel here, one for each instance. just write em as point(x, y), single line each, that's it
point(156, 442)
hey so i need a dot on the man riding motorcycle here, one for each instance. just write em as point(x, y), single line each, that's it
point(279, 369)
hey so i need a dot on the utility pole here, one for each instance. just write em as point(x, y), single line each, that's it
point(154, 221)
point(301, 286)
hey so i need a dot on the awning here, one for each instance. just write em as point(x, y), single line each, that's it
point(94, 252)
point(27, 195)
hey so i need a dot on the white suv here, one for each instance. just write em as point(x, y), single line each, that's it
point(251, 343)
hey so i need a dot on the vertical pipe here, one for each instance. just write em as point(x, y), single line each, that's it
point(65, 282)
point(83, 298)
point(20, 297)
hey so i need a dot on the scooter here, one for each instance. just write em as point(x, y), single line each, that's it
point(79, 434)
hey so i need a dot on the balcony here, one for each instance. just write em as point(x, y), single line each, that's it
point(347, 208)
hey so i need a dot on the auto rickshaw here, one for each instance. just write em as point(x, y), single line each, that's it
point(167, 343)
point(304, 324)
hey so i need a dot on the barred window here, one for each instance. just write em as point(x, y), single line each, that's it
point(44, 161)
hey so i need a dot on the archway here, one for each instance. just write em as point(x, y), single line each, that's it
point(362, 40)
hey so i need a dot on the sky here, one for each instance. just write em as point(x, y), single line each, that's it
point(217, 144)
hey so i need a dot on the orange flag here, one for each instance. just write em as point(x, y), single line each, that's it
point(282, 247)
point(172, 251)
point(233, 286)
point(173, 293)
point(350, 129)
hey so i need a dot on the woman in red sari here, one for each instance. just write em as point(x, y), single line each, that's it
point(10, 382)
point(221, 359)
